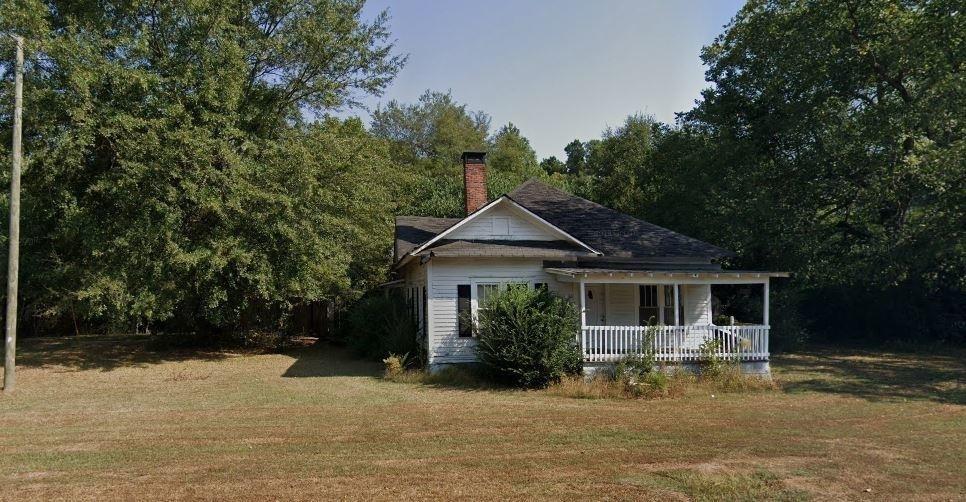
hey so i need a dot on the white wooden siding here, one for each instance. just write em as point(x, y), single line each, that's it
point(442, 275)
point(502, 223)
point(622, 303)
point(414, 275)
point(695, 301)
point(446, 346)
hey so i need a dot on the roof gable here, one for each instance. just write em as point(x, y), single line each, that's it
point(504, 222)
point(487, 209)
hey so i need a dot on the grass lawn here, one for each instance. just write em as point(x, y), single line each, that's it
point(103, 417)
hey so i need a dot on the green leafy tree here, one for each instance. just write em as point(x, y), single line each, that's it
point(510, 161)
point(175, 172)
point(553, 165)
point(622, 165)
point(576, 157)
point(426, 140)
point(836, 139)
point(432, 133)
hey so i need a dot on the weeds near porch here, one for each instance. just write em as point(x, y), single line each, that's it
point(395, 365)
point(730, 378)
point(666, 383)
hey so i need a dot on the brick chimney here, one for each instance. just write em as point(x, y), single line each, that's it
point(474, 180)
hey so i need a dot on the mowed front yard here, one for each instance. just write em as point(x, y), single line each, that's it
point(105, 418)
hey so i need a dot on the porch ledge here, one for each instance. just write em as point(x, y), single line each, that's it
point(664, 274)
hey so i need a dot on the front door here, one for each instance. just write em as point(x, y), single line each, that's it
point(596, 313)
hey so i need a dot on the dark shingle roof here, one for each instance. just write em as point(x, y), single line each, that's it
point(411, 231)
point(611, 232)
point(537, 249)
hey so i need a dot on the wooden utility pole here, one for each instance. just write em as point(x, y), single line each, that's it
point(13, 258)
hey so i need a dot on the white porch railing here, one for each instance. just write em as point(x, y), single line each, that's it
point(673, 343)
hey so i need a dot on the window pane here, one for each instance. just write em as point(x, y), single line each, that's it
point(485, 293)
point(649, 296)
point(649, 310)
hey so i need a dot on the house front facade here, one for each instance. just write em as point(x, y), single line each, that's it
point(638, 286)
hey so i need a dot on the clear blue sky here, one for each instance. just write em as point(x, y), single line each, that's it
point(557, 69)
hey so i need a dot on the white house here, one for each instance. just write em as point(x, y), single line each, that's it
point(633, 281)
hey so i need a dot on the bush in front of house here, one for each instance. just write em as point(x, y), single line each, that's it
point(380, 325)
point(528, 337)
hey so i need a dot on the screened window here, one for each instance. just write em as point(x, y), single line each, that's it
point(649, 311)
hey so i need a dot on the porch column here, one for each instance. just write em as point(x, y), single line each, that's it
point(764, 311)
point(677, 303)
point(583, 306)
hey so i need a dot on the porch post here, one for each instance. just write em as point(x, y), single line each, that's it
point(583, 306)
point(764, 316)
point(677, 302)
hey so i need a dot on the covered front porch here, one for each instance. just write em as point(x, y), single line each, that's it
point(668, 313)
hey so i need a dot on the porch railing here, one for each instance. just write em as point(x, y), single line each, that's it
point(674, 343)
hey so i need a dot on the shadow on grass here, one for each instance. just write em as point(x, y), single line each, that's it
point(875, 375)
point(465, 377)
point(324, 360)
point(102, 352)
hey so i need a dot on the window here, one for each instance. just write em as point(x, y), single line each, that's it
point(487, 289)
point(540, 285)
point(648, 311)
point(463, 310)
point(668, 305)
point(486, 292)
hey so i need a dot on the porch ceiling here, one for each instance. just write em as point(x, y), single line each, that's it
point(643, 276)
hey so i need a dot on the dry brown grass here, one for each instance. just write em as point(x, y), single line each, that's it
point(108, 419)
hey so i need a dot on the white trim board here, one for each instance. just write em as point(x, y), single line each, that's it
point(513, 204)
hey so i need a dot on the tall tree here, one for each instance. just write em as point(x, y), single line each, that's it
point(622, 165)
point(553, 165)
point(431, 133)
point(175, 172)
point(837, 143)
point(576, 157)
point(511, 160)
point(426, 140)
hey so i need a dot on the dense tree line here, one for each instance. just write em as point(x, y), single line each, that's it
point(183, 170)
point(176, 175)
point(830, 144)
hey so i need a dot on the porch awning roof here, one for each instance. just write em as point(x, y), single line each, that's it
point(644, 275)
